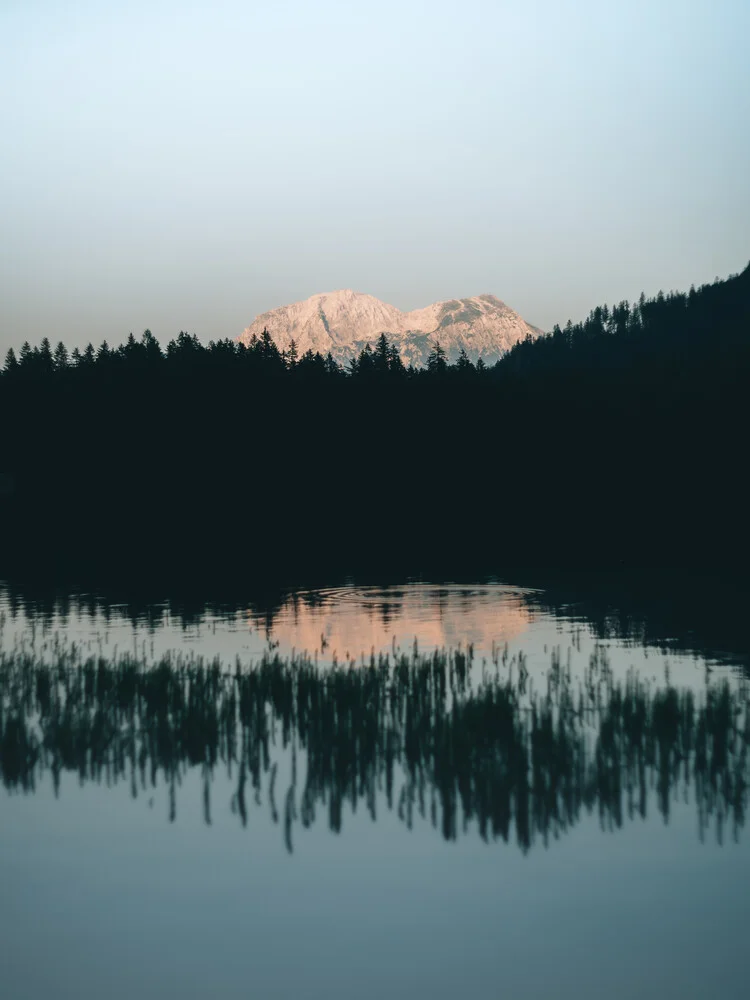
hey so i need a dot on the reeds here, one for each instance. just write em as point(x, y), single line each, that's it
point(415, 733)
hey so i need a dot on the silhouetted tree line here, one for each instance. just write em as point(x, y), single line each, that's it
point(621, 437)
point(412, 734)
point(185, 356)
point(668, 329)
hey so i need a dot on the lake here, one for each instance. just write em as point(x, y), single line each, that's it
point(511, 787)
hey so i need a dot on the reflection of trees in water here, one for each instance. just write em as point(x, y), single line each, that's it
point(416, 734)
point(686, 614)
point(353, 618)
point(683, 612)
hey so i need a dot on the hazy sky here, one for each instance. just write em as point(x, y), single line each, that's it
point(180, 165)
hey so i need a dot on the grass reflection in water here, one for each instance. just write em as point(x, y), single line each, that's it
point(420, 734)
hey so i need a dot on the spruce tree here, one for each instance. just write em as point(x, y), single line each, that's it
point(60, 359)
point(11, 362)
point(436, 363)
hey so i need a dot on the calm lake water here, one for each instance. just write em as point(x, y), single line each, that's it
point(422, 789)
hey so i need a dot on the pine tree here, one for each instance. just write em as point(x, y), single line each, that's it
point(60, 358)
point(11, 363)
point(395, 364)
point(365, 363)
point(381, 355)
point(268, 349)
point(436, 363)
point(292, 356)
point(44, 356)
point(464, 365)
point(25, 357)
point(151, 348)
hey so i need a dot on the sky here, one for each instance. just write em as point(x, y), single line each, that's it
point(186, 166)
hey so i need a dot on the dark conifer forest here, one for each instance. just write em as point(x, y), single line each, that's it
point(618, 440)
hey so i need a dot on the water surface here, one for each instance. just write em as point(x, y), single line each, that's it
point(414, 789)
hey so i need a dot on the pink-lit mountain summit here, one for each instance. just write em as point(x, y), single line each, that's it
point(343, 322)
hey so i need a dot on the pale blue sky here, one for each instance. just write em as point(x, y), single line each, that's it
point(182, 165)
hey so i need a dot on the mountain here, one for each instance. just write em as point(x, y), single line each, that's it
point(344, 322)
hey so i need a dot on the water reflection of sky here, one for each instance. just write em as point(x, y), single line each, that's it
point(346, 624)
point(103, 896)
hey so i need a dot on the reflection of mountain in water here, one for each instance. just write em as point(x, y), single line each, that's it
point(683, 614)
point(352, 620)
point(414, 735)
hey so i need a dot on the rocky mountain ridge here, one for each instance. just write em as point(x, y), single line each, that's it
point(343, 322)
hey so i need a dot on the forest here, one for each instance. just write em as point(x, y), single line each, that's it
point(618, 440)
